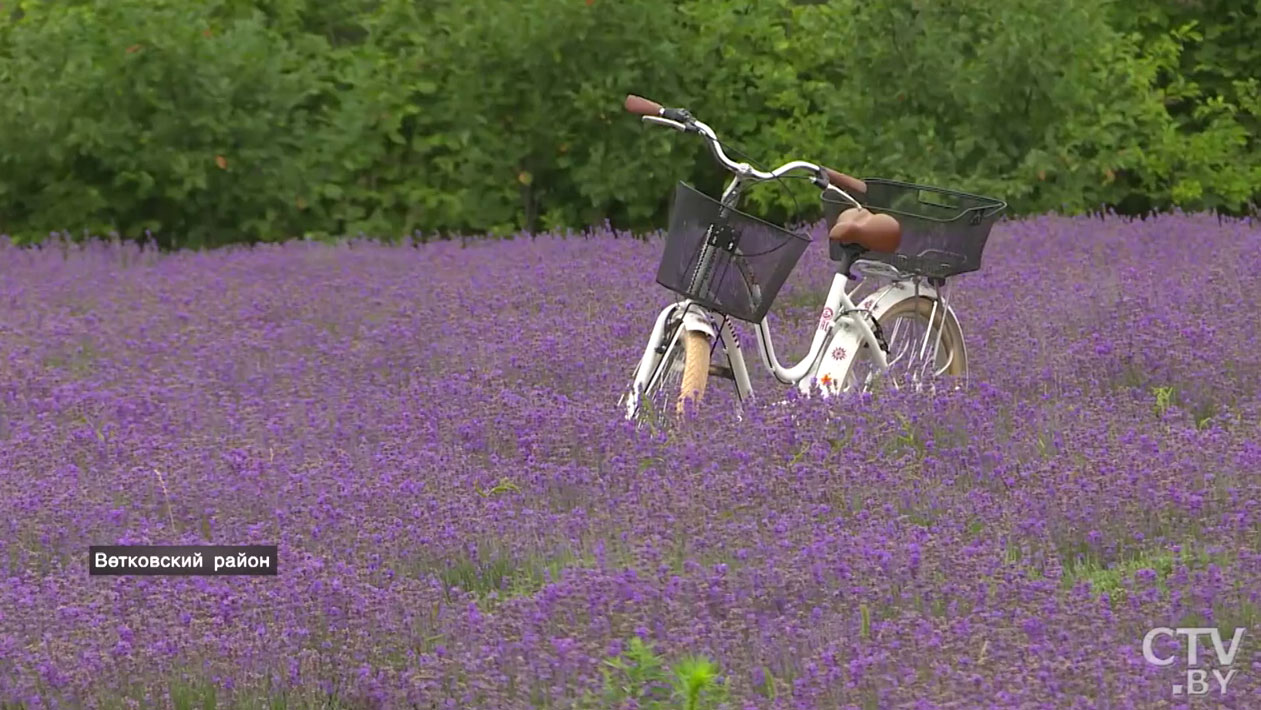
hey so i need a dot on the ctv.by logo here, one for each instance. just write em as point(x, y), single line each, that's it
point(1197, 678)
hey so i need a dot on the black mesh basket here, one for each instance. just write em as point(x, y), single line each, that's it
point(943, 231)
point(724, 259)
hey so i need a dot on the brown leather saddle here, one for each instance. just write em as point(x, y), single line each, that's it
point(873, 232)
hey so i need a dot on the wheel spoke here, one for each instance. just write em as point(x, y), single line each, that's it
point(669, 382)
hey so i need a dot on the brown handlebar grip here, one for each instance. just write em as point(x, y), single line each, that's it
point(642, 106)
point(845, 182)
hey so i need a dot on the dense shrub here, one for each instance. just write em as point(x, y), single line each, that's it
point(1206, 56)
point(266, 119)
point(162, 115)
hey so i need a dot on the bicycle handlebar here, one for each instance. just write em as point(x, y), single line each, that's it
point(680, 120)
point(642, 106)
point(840, 179)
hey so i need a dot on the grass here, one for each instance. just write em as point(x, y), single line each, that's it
point(1201, 411)
point(1114, 578)
point(639, 677)
point(194, 693)
point(1110, 579)
point(505, 575)
point(78, 361)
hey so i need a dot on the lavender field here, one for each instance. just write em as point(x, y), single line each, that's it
point(430, 435)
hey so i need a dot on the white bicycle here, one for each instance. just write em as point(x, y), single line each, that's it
point(725, 264)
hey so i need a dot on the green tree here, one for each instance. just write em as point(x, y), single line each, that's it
point(161, 115)
point(235, 120)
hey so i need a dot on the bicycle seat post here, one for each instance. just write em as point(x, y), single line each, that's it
point(845, 255)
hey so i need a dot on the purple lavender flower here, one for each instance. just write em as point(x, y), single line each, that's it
point(429, 434)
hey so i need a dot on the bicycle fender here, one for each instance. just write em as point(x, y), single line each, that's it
point(694, 322)
point(885, 298)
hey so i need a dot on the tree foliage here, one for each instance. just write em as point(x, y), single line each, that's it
point(228, 120)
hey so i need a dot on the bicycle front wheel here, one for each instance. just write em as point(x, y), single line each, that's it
point(695, 369)
point(682, 376)
point(925, 347)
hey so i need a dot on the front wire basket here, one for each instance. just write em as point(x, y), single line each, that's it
point(943, 231)
point(725, 260)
